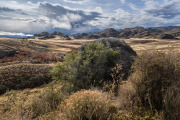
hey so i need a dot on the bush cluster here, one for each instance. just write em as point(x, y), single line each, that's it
point(86, 67)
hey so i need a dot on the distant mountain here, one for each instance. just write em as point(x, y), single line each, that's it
point(13, 36)
point(46, 35)
point(169, 32)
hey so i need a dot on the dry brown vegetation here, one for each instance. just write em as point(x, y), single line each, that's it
point(141, 45)
point(154, 84)
point(150, 93)
point(63, 46)
point(23, 76)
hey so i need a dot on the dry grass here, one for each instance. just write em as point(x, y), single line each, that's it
point(154, 84)
point(87, 105)
point(55, 46)
point(31, 103)
point(141, 45)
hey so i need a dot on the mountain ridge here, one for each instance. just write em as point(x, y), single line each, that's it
point(136, 32)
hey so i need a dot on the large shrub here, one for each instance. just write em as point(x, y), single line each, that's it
point(154, 84)
point(24, 76)
point(87, 105)
point(86, 67)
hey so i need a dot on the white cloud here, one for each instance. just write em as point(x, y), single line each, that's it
point(76, 1)
point(123, 1)
point(99, 9)
point(133, 6)
point(14, 33)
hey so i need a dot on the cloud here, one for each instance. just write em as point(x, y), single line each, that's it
point(168, 10)
point(133, 6)
point(46, 17)
point(14, 33)
point(31, 17)
point(66, 18)
point(123, 1)
point(99, 9)
point(76, 1)
point(6, 9)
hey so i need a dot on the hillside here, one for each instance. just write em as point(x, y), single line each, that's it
point(54, 35)
point(137, 32)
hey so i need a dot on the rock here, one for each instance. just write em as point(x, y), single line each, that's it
point(126, 53)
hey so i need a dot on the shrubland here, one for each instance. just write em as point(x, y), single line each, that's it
point(150, 92)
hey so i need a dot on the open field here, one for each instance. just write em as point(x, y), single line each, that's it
point(138, 44)
point(58, 47)
point(62, 46)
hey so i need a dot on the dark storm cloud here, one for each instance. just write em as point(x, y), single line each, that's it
point(167, 11)
point(5, 9)
point(75, 17)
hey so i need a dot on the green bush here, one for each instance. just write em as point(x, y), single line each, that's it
point(86, 67)
point(154, 84)
point(87, 105)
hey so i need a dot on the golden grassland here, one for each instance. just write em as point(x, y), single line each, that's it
point(62, 46)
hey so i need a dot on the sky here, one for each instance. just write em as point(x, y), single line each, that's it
point(26, 17)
